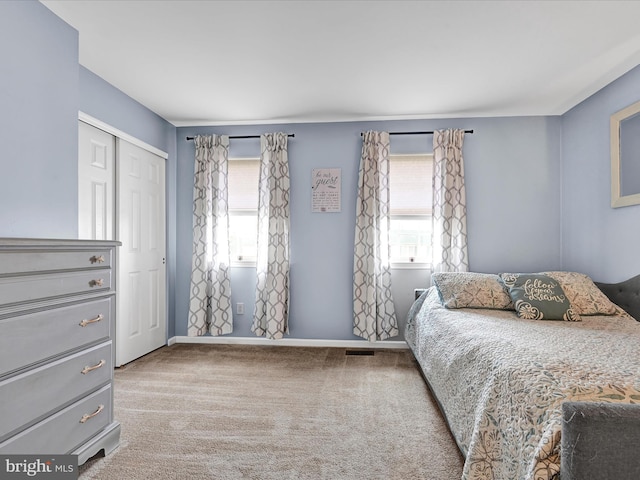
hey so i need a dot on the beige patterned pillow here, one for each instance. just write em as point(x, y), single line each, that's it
point(585, 297)
point(471, 290)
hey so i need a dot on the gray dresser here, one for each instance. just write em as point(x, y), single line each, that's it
point(57, 322)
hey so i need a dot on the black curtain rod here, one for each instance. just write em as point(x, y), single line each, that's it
point(244, 136)
point(417, 133)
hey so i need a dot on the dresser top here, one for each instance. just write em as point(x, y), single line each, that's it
point(9, 242)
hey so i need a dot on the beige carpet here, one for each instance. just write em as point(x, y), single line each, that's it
point(254, 412)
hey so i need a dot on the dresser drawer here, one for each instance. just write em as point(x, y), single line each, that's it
point(30, 261)
point(30, 288)
point(28, 397)
point(27, 339)
point(66, 430)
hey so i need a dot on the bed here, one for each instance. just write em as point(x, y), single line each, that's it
point(527, 396)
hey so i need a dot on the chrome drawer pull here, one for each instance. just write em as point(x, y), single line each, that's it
point(86, 370)
point(84, 323)
point(96, 283)
point(97, 259)
point(88, 416)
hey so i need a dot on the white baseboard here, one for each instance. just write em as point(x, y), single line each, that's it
point(290, 342)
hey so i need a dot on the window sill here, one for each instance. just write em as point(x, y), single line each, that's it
point(410, 266)
point(393, 266)
point(243, 265)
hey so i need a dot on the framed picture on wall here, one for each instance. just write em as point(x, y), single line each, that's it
point(325, 189)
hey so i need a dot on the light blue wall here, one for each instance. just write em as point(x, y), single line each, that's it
point(42, 87)
point(38, 129)
point(596, 239)
point(513, 196)
point(537, 187)
point(103, 101)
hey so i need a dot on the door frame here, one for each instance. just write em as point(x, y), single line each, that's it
point(119, 134)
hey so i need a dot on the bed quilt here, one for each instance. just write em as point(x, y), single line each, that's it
point(501, 380)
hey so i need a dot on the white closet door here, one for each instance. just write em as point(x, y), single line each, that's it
point(142, 316)
point(95, 183)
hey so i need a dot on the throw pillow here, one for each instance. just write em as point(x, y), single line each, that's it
point(538, 297)
point(585, 297)
point(471, 290)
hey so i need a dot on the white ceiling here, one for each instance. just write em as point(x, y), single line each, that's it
point(235, 62)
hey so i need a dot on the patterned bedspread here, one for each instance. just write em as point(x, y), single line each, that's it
point(501, 380)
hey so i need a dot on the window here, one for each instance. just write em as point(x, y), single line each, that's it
point(410, 186)
point(244, 174)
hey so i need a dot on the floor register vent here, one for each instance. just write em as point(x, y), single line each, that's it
point(359, 352)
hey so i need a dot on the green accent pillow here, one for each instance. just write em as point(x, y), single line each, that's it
point(538, 297)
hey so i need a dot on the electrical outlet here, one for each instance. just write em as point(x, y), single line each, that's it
point(240, 308)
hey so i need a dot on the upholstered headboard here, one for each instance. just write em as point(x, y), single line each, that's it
point(625, 294)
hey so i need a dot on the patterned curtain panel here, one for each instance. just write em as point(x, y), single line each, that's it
point(210, 308)
point(449, 203)
point(271, 315)
point(374, 316)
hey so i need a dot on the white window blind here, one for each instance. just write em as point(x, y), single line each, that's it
point(411, 206)
point(243, 183)
point(243, 178)
point(410, 184)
